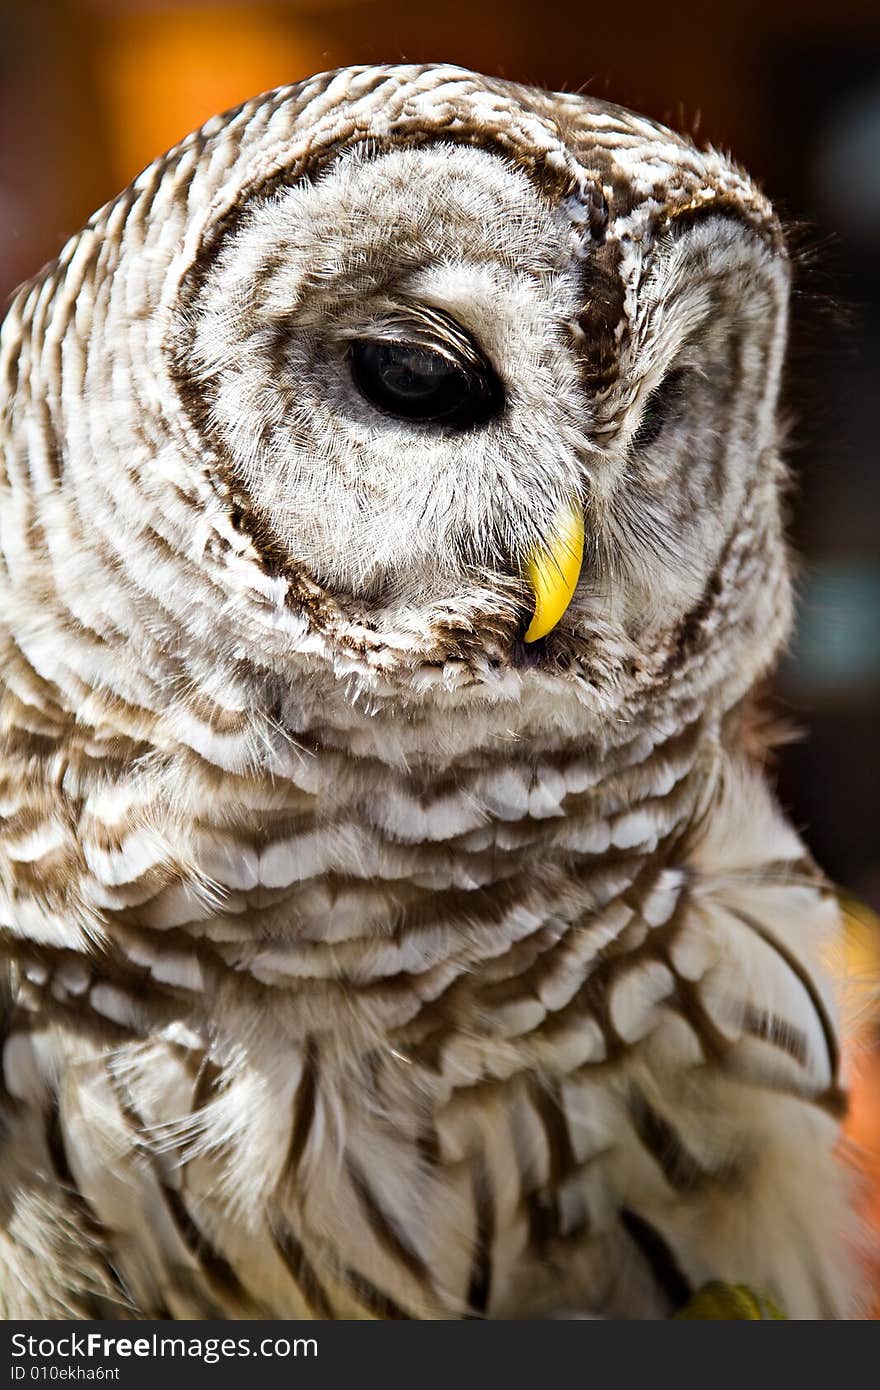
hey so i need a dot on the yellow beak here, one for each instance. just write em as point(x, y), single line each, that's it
point(553, 573)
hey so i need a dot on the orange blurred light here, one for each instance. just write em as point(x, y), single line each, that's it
point(164, 72)
point(863, 1122)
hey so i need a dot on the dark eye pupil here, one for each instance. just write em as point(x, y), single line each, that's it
point(417, 384)
point(658, 408)
point(650, 425)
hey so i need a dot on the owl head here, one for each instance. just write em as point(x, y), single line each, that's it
point(328, 375)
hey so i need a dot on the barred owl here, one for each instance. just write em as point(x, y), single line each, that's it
point(396, 925)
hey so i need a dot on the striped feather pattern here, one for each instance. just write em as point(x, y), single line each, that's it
point(360, 962)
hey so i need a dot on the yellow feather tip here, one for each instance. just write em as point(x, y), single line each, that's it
point(554, 572)
point(720, 1302)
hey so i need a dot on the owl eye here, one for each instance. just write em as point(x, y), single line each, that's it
point(414, 383)
point(660, 405)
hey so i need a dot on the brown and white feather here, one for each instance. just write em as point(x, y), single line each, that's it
point(359, 962)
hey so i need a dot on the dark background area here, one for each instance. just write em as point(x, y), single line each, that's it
point(92, 90)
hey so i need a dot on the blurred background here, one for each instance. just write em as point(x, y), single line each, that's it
point(92, 90)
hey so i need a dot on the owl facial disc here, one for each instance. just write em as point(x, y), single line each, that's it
point(553, 571)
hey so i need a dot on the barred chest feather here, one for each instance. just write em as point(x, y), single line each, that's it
point(545, 1033)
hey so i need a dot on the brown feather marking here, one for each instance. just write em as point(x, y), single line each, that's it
point(680, 1168)
point(794, 965)
point(374, 1299)
point(547, 1101)
point(480, 1283)
point(769, 1027)
point(303, 1108)
point(385, 1227)
point(292, 1253)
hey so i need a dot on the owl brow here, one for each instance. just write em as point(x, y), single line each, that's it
point(420, 325)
